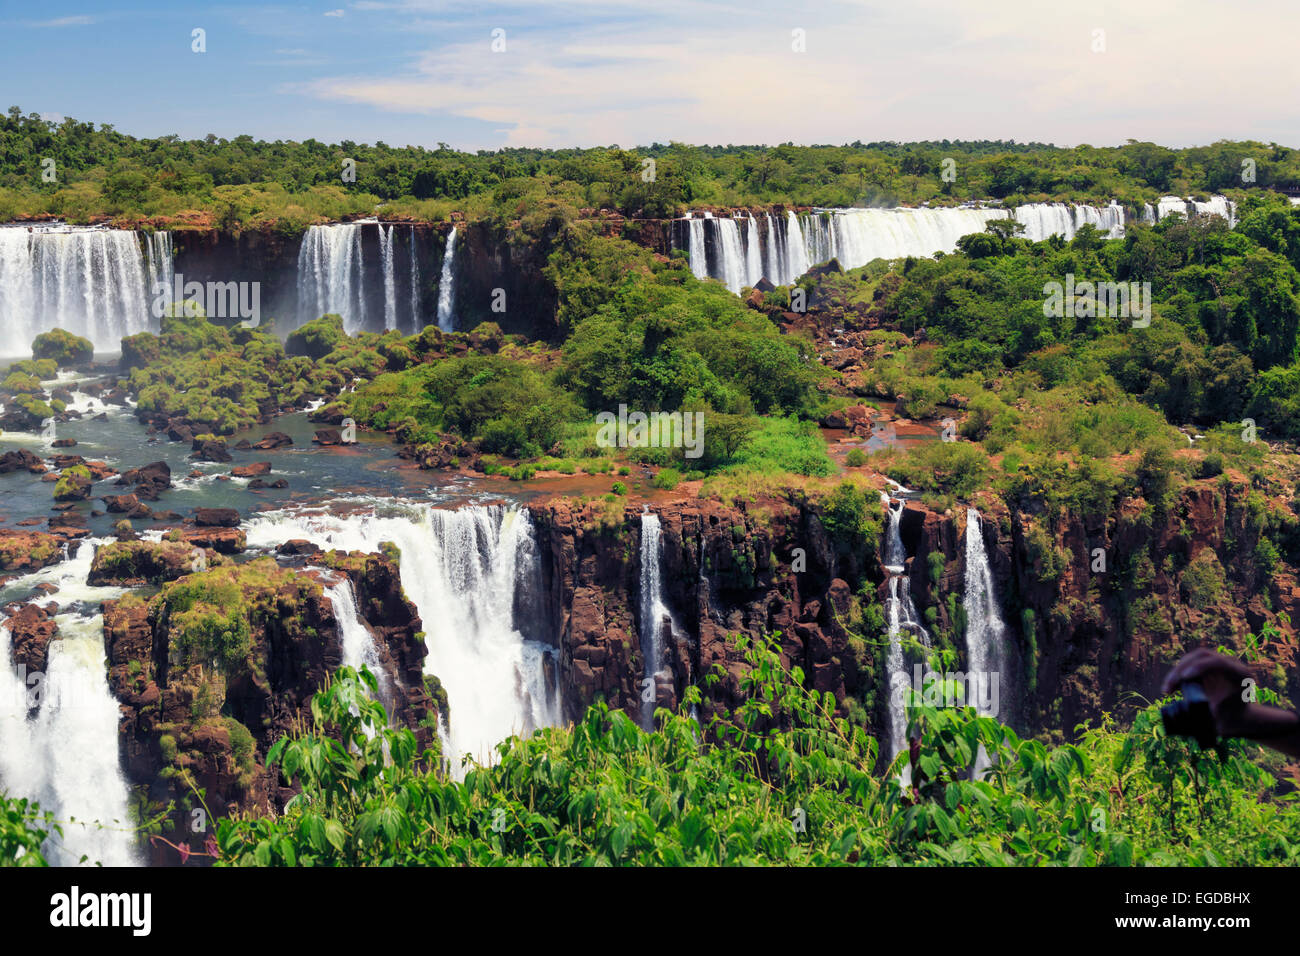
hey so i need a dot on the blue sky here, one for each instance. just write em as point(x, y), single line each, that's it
point(597, 72)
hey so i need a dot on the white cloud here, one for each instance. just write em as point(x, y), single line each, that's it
point(716, 73)
point(77, 21)
point(334, 13)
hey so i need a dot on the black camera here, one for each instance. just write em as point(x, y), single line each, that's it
point(1191, 716)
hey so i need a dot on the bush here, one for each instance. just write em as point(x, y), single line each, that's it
point(667, 478)
point(63, 348)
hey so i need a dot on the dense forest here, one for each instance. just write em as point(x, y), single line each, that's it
point(81, 172)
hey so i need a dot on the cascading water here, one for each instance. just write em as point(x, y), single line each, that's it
point(65, 755)
point(1215, 206)
point(1057, 219)
point(417, 314)
point(358, 643)
point(467, 571)
point(696, 249)
point(653, 611)
point(447, 286)
point(857, 236)
point(390, 276)
point(93, 282)
point(901, 615)
point(330, 274)
point(986, 634)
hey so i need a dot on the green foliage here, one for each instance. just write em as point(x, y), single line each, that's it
point(23, 829)
point(63, 348)
point(783, 781)
point(316, 338)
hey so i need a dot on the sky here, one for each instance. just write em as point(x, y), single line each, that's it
point(558, 73)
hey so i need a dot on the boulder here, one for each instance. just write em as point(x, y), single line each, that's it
point(251, 471)
point(273, 440)
point(216, 517)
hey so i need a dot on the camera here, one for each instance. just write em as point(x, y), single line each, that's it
point(1191, 716)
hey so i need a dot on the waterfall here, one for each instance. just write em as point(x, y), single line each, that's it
point(447, 286)
point(653, 611)
point(901, 615)
point(753, 254)
point(1215, 206)
point(796, 257)
point(390, 279)
point(696, 248)
point(986, 634)
point(857, 236)
point(331, 273)
point(731, 254)
point(1047, 219)
point(417, 317)
point(66, 755)
point(94, 282)
point(470, 573)
point(774, 262)
point(162, 270)
point(358, 643)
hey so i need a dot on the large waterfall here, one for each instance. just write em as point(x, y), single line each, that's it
point(653, 611)
point(470, 572)
point(94, 282)
point(986, 634)
point(902, 618)
point(331, 274)
point(447, 286)
point(336, 274)
point(65, 755)
point(741, 249)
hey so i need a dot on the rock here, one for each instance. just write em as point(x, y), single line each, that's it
point(297, 546)
point(74, 485)
point(216, 517)
point(31, 629)
point(64, 443)
point(100, 470)
point(149, 480)
point(279, 483)
point(273, 440)
point(242, 445)
point(21, 460)
point(212, 449)
point(257, 484)
point(251, 471)
point(136, 563)
point(221, 540)
point(69, 524)
point(128, 505)
point(179, 431)
point(25, 551)
point(327, 436)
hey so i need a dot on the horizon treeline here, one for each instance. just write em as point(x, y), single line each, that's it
point(82, 172)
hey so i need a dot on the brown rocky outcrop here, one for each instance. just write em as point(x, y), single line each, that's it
point(207, 715)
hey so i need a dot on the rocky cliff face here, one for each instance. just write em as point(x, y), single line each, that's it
point(1096, 608)
point(222, 663)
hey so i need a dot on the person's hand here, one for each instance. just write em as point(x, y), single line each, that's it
point(1222, 678)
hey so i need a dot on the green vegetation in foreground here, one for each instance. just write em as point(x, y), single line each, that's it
point(242, 182)
point(783, 783)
